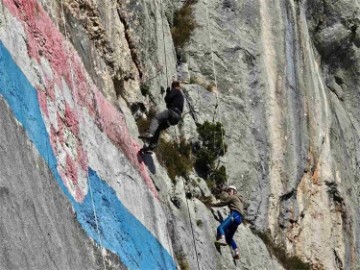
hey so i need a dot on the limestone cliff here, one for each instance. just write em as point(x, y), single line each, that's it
point(77, 75)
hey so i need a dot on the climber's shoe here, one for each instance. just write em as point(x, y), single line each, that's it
point(145, 150)
point(145, 136)
point(236, 255)
point(220, 242)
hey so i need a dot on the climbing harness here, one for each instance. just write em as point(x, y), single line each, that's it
point(77, 109)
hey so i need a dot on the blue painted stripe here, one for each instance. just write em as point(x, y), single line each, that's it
point(120, 231)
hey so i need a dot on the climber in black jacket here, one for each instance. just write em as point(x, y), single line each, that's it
point(174, 99)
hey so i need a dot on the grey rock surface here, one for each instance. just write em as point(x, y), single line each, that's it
point(38, 228)
point(288, 96)
point(292, 66)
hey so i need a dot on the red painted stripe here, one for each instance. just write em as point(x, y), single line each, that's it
point(45, 40)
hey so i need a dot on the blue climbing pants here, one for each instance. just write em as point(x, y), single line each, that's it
point(228, 228)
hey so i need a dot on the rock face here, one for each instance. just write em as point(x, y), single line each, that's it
point(38, 227)
point(284, 83)
point(291, 68)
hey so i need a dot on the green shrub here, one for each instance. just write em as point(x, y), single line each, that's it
point(184, 24)
point(219, 176)
point(175, 157)
point(212, 146)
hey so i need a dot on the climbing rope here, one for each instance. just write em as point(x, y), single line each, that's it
point(217, 105)
point(77, 109)
point(96, 222)
point(191, 226)
point(163, 34)
point(213, 61)
point(167, 84)
point(167, 81)
point(165, 57)
point(167, 229)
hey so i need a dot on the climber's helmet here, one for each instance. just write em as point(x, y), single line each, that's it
point(231, 187)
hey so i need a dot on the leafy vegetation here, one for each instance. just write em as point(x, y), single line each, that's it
point(211, 147)
point(179, 158)
point(175, 157)
point(184, 24)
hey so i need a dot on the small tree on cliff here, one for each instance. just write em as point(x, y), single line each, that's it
point(208, 151)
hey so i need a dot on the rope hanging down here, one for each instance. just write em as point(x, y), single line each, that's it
point(213, 62)
point(167, 81)
point(163, 34)
point(77, 109)
point(191, 226)
point(215, 78)
point(162, 15)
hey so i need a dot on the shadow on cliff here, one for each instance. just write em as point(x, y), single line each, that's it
point(148, 161)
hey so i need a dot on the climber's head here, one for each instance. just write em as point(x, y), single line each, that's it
point(175, 84)
point(231, 190)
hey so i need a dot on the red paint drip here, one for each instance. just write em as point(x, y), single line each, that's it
point(45, 40)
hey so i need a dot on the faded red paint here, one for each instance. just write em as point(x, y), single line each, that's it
point(71, 173)
point(42, 101)
point(53, 136)
point(62, 175)
point(45, 40)
point(70, 170)
point(60, 129)
point(50, 90)
point(115, 127)
point(79, 196)
point(71, 120)
point(82, 158)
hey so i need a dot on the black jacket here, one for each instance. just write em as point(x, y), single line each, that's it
point(174, 99)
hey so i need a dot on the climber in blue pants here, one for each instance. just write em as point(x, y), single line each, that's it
point(228, 227)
